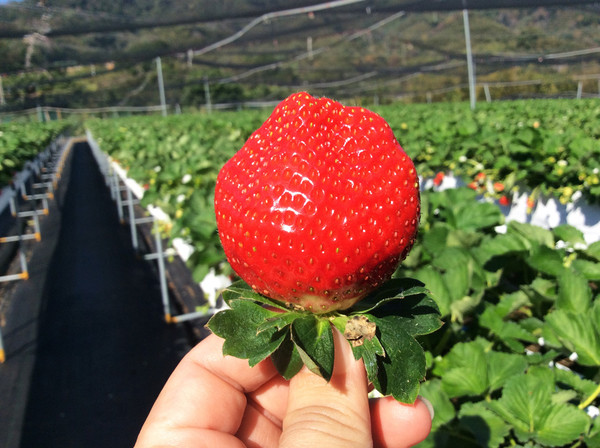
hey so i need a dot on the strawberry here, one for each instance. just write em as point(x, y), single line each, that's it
point(498, 186)
point(530, 204)
point(319, 206)
point(437, 180)
point(504, 201)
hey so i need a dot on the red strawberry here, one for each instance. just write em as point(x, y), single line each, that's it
point(498, 186)
point(473, 185)
point(530, 204)
point(437, 180)
point(319, 205)
point(504, 201)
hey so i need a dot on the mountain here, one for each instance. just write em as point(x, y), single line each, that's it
point(89, 53)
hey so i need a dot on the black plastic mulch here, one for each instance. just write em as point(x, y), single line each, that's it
point(87, 346)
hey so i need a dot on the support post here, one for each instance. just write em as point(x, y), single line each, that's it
point(2, 352)
point(486, 89)
point(2, 100)
point(134, 239)
point(207, 95)
point(161, 87)
point(162, 273)
point(470, 68)
point(579, 89)
point(190, 58)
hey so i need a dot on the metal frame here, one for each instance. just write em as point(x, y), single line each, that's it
point(117, 181)
point(35, 184)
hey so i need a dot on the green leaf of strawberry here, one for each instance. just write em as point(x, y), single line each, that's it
point(238, 326)
point(314, 341)
point(314, 214)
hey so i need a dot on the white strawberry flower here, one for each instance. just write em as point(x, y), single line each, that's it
point(186, 178)
point(181, 198)
point(157, 169)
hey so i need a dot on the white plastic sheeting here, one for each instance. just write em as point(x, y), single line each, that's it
point(548, 212)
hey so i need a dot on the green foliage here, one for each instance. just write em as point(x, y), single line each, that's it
point(547, 146)
point(516, 307)
point(395, 362)
point(163, 153)
point(22, 141)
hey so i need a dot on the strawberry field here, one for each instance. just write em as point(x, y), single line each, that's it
point(517, 361)
point(546, 148)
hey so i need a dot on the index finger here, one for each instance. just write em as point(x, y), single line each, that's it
point(206, 393)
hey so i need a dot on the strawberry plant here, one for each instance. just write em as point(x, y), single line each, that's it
point(178, 157)
point(21, 142)
point(550, 146)
point(518, 361)
point(314, 213)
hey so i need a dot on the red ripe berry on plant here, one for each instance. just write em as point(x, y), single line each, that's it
point(504, 201)
point(437, 180)
point(530, 204)
point(314, 213)
point(498, 186)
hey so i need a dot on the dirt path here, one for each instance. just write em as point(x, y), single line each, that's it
point(87, 347)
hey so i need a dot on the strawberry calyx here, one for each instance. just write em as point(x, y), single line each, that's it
point(381, 330)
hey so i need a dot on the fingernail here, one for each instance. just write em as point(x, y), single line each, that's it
point(428, 405)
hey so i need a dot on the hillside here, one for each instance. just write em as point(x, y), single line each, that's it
point(89, 53)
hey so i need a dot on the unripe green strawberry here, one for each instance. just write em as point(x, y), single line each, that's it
point(319, 206)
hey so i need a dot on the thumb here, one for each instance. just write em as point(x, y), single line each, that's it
point(331, 414)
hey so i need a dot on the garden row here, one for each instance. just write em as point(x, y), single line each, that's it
point(20, 142)
point(548, 148)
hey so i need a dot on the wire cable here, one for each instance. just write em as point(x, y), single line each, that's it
point(273, 15)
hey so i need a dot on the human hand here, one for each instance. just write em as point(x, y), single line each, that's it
point(212, 400)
